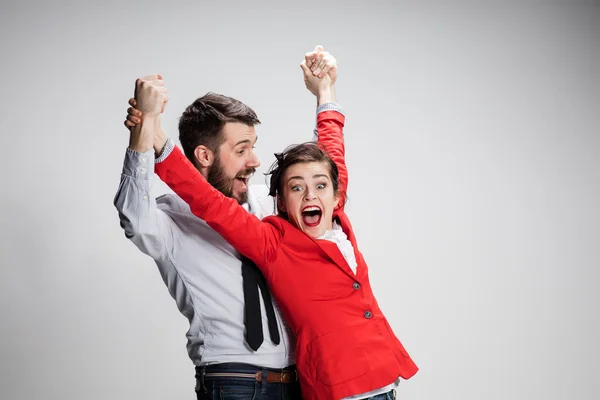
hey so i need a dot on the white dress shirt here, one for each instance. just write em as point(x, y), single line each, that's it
point(201, 270)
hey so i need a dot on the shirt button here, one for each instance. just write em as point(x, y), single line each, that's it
point(143, 159)
point(368, 314)
point(356, 285)
point(143, 170)
point(145, 198)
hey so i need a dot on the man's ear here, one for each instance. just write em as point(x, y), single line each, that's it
point(204, 156)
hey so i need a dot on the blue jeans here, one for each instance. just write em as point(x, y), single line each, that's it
point(236, 388)
point(391, 395)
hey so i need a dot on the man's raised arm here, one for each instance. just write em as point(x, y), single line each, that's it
point(144, 223)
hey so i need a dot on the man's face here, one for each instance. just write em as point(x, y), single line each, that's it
point(235, 161)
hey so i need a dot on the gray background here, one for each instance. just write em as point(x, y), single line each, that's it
point(473, 135)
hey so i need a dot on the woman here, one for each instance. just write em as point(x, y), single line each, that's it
point(309, 256)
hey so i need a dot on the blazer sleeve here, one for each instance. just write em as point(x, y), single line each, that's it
point(253, 238)
point(330, 126)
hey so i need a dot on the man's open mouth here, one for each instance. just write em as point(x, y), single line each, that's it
point(244, 177)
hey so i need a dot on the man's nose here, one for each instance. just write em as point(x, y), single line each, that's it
point(253, 161)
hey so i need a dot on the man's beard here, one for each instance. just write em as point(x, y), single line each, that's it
point(220, 181)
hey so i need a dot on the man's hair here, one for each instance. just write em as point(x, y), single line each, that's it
point(298, 154)
point(202, 122)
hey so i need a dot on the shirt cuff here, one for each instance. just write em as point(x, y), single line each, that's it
point(331, 106)
point(169, 146)
point(138, 165)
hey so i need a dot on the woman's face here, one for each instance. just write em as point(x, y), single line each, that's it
point(308, 197)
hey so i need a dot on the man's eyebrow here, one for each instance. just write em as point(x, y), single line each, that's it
point(246, 141)
point(242, 142)
point(295, 177)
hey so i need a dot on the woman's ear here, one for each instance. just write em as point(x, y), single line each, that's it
point(281, 203)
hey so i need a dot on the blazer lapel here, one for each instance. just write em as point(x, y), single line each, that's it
point(334, 253)
point(347, 228)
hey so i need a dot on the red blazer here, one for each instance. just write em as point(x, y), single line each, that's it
point(345, 346)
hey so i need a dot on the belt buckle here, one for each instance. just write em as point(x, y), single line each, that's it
point(293, 376)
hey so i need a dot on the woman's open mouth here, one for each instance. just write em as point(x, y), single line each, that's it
point(311, 215)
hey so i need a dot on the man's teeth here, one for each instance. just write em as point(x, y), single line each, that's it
point(311, 209)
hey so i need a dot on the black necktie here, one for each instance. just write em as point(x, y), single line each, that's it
point(253, 280)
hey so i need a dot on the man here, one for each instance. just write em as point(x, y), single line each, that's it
point(237, 339)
